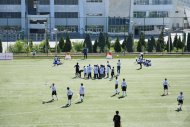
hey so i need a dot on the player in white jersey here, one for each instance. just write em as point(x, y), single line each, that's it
point(118, 67)
point(124, 87)
point(116, 85)
point(53, 89)
point(95, 71)
point(89, 69)
point(108, 68)
point(69, 95)
point(81, 92)
point(180, 99)
point(85, 72)
point(165, 86)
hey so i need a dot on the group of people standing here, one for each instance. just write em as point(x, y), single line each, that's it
point(69, 93)
point(104, 71)
point(100, 71)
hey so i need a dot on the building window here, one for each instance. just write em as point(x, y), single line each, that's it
point(66, 14)
point(66, 2)
point(158, 14)
point(161, 2)
point(94, 28)
point(44, 2)
point(70, 28)
point(10, 2)
point(145, 28)
point(94, 14)
point(10, 15)
point(97, 1)
point(118, 24)
point(139, 14)
point(141, 2)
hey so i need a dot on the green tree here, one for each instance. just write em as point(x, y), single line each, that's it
point(175, 43)
point(158, 46)
point(108, 42)
point(30, 45)
point(124, 44)
point(95, 46)
point(183, 41)
point(139, 46)
point(141, 43)
point(58, 48)
point(188, 42)
point(150, 46)
point(153, 42)
point(169, 44)
point(117, 45)
point(68, 46)
point(101, 42)
point(180, 44)
point(88, 43)
point(78, 46)
point(18, 47)
point(129, 44)
point(61, 44)
point(46, 46)
point(161, 41)
point(1, 46)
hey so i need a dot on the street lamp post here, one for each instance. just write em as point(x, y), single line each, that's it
point(169, 34)
point(46, 46)
point(7, 33)
point(55, 30)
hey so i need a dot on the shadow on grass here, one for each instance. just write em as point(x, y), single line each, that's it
point(111, 79)
point(162, 95)
point(66, 106)
point(139, 69)
point(177, 110)
point(120, 97)
point(79, 102)
point(50, 101)
point(113, 95)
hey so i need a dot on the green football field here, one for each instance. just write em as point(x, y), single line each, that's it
point(24, 84)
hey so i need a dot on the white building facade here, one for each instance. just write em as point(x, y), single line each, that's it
point(34, 18)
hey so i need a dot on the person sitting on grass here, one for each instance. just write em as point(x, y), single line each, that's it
point(180, 99)
point(56, 61)
point(147, 63)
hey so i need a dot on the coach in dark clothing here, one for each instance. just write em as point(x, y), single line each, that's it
point(85, 51)
point(117, 120)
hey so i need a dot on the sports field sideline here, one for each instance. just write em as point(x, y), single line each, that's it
point(24, 84)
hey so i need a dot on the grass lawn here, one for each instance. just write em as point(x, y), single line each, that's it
point(24, 84)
